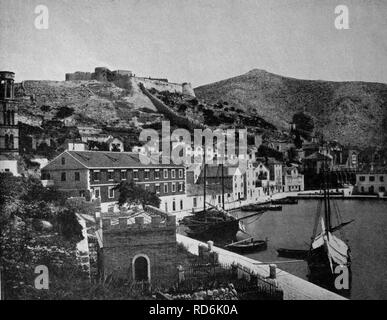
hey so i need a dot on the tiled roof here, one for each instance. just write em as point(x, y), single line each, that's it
point(106, 159)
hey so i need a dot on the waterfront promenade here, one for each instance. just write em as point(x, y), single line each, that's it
point(294, 288)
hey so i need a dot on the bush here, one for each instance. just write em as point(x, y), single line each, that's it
point(64, 112)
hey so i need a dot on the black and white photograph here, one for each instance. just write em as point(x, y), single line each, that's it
point(195, 150)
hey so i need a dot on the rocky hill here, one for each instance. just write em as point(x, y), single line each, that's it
point(354, 113)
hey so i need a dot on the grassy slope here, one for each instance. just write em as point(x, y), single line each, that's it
point(351, 112)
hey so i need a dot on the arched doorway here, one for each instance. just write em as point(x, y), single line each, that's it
point(141, 268)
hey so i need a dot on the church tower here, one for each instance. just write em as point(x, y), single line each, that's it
point(9, 131)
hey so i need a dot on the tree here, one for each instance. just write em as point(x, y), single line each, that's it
point(304, 124)
point(298, 140)
point(133, 194)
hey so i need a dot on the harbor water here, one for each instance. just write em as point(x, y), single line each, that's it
point(293, 226)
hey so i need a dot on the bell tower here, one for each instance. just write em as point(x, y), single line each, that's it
point(9, 131)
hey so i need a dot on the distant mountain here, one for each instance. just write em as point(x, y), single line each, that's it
point(353, 113)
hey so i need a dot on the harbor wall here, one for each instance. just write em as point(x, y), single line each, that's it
point(294, 288)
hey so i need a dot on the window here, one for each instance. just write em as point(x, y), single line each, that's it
point(173, 205)
point(96, 175)
point(63, 176)
point(362, 178)
point(219, 199)
point(97, 192)
point(165, 188)
point(110, 175)
point(157, 174)
point(173, 174)
point(111, 192)
point(165, 174)
point(372, 178)
point(166, 207)
point(82, 193)
point(157, 188)
point(123, 175)
point(147, 187)
point(195, 202)
point(76, 176)
point(146, 175)
point(135, 174)
point(181, 173)
point(381, 178)
point(181, 188)
point(173, 187)
point(382, 189)
point(181, 204)
point(63, 161)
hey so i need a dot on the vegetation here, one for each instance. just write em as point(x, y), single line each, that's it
point(64, 112)
point(132, 194)
point(304, 124)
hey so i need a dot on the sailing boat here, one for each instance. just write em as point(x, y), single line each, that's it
point(329, 256)
point(212, 223)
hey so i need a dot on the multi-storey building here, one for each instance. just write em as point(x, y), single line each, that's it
point(292, 180)
point(371, 182)
point(94, 174)
point(9, 130)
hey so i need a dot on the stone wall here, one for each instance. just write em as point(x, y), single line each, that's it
point(294, 288)
point(125, 79)
point(156, 241)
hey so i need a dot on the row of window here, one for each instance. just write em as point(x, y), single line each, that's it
point(96, 174)
point(152, 188)
point(174, 205)
point(371, 189)
point(371, 178)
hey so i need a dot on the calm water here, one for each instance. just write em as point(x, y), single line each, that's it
point(293, 226)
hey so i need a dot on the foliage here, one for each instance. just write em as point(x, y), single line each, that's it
point(133, 194)
point(304, 124)
point(64, 112)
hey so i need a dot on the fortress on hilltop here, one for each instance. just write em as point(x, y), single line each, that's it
point(126, 79)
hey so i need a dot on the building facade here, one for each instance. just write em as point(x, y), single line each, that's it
point(292, 180)
point(141, 252)
point(9, 130)
point(94, 174)
point(371, 183)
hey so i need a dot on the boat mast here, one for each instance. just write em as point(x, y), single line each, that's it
point(326, 194)
point(204, 178)
point(222, 166)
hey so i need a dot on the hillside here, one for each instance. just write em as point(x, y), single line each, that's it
point(93, 102)
point(354, 113)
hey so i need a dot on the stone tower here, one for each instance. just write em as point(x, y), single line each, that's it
point(9, 131)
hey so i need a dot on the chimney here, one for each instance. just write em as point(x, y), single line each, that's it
point(123, 222)
point(171, 221)
point(156, 220)
point(105, 223)
point(139, 221)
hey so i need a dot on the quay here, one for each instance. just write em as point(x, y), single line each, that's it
point(294, 288)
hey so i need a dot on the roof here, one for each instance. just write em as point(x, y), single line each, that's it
point(110, 159)
point(318, 157)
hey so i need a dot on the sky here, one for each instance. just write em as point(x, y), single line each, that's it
point(197, 41)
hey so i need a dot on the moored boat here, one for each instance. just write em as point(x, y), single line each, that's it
point(247, 245)
point(260, 207)
point(329, 256)
point(285, 201)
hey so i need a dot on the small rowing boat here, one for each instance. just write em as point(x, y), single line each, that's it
point(247, 245)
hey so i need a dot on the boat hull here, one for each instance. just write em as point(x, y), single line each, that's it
point(320, 273)
point(220, 233)
point(255, 246)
